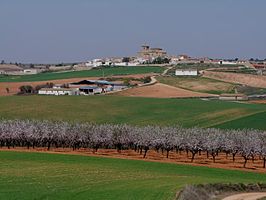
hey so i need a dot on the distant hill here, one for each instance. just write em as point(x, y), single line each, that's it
point(10, 67)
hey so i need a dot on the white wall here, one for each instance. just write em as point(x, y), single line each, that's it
point(58, 92)
point(30, 71)
point(186, 72)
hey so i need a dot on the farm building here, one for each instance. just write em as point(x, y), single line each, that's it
point(31, 71)
point(106, 85)
point(186, 72)
point(233, 97)
point(59, 91)
point(90, 90)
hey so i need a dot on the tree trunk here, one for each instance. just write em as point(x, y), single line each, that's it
point(213, 157)
point(245, 163)
point(264, 162)
point(167, 153)
point(49, 146)
point(234, 155)
point(145, 153)
point(193, 156)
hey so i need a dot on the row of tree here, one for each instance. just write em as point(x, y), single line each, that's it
point(250, 144)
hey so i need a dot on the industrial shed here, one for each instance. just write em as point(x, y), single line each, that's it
point(233, 97)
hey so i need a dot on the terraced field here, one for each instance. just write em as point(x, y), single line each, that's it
point(132, 110)
point(53, 176)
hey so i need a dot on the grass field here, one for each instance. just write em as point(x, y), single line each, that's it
point(51, 176)
point(256, 120)
point(79, 74)
point(199, 84)
point(140, 111)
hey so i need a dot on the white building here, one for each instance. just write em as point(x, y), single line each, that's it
point(186, 72)
point(94, 63)
point(59, 91)
point(31, 71)
point(233, 97)
point(91, 90)
point(222, 62)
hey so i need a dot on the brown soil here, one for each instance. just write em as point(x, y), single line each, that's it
point(258, 101)
point(153, 156)
point(14, 86)
point(246, 196)
point(207, 86)
point(244, 79)
point(160, 90)
point(9, 67)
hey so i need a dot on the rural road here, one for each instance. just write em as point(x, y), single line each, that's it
point(246, 196)
point(166, 71)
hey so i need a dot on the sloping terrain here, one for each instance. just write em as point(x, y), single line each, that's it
point(9, 67)
point(160, 90)
point(132, 110)
point(198, 84)
point(245, 79)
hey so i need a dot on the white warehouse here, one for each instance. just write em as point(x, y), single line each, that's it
point(59, 91)
point(186, 72)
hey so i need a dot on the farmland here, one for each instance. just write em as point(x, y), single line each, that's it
point(137, 111)
point(81, 74)
point(52, 176)
point(160, 90)
point(258, 120)
point(198, 84)
point(238, 78)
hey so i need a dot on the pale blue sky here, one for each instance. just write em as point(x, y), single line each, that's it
point(77, 30)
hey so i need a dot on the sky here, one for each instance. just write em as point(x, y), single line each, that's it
point(55, 31)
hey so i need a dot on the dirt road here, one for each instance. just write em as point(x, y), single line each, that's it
point(246, 196)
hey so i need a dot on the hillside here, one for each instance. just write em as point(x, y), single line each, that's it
point(133, 110)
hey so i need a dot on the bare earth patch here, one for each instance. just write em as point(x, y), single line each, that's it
point(244, 79)
point(178, 158)
point(247, 196)
point(197, 84)
point(258, 101)
point(160, 90)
